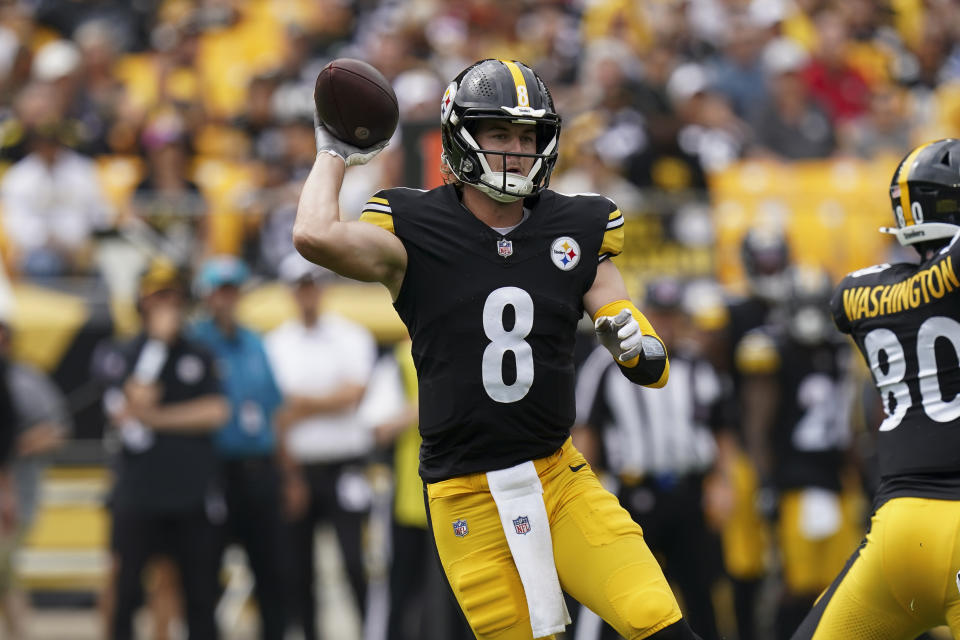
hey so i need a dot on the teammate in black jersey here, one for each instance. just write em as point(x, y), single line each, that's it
point(491, 275)
point(745, 534)
point(904, 578)
point(797, 391)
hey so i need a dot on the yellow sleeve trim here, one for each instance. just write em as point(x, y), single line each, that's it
point(612, 243)
point(614, 215)
point(383, 220)
point(612, 309)
point(379, 201)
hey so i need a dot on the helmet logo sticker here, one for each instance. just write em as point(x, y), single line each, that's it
point(565, 253)
point(446, 104)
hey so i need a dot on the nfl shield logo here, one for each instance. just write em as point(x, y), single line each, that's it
point(505, 247)
point(522, 525)
point(460, 528)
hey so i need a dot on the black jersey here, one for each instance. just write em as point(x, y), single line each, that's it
point(493, 319)
point(903, 318)
point(810, 431)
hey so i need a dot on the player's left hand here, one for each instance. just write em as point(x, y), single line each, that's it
point(620, 334)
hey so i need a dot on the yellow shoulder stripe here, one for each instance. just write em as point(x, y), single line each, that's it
point(756, 355)
point(614, 215)
point(612, 241)
point(379, 218)
point(379, 201)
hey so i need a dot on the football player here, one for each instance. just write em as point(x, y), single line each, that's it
point(491, 274)
point(797, 393)
point(904, 579)
point(765, 256)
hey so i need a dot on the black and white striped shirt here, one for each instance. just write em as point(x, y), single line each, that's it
point(651, 431)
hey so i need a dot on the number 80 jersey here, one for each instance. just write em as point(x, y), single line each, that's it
point(493, 319)
point(903, 318)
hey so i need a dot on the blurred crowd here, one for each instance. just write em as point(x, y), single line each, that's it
point(135, 135)
point(184, 126)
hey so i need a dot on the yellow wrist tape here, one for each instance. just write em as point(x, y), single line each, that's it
point(613, 308)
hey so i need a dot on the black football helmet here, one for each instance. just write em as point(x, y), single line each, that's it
point(807, 312)
point(925, 193)
point(507, 90)
point(766, 256)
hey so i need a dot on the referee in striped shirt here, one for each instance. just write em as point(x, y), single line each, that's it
point(657, 445)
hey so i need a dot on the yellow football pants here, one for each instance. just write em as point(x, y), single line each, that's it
point(601, 557)
point(902, 581)
point(810, 565)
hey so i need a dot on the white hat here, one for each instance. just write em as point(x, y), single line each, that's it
point(686, 81)
point(783, 55)
point(55, 60)
point(295, 268)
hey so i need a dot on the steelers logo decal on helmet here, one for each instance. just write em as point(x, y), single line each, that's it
point(446, 104)
point(565, 253)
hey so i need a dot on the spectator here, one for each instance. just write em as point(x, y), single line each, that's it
point(886, 129)
point(168, 208)
point(52, 201)
point(738, 71)
point(839, 88)
point(709, 128)
point(322, 363)
point(246, 443)
point(166, 405)
point(790, 124)
point(41, 421)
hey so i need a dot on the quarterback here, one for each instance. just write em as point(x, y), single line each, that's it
point(491, 274)
point(904, 577)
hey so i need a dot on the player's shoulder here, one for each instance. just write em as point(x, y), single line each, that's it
point(405, 200)
point(759, 351)
point(590, 213)
point(584, 204)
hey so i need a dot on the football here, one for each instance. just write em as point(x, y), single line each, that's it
point(356, 103)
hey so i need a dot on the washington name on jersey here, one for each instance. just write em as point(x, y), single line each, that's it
point(903, 318)
point(493, 317)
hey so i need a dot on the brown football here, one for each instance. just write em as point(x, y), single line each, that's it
point(355, 102)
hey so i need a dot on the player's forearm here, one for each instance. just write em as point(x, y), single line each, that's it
point(318, 211)
point(206, 413)
point(346, 397)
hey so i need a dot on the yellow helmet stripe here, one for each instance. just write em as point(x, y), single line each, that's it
point(523, 97)
point(902, 181)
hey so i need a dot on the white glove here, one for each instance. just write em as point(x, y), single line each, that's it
point(351, 155)
point(620, 334)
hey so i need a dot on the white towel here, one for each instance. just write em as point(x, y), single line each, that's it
point(519, 497)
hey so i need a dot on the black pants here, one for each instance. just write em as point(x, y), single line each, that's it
point(329, 503)
point(191, 541)
point(671, 514)
point(252, 491)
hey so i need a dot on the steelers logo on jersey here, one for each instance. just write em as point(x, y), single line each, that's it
point(565, 253)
